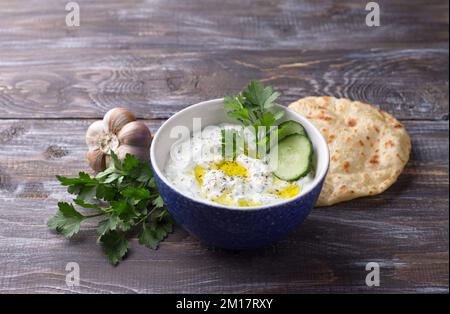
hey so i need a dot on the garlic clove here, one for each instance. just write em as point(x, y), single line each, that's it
point(135, 133)
point(116, 118)
point(94, 134)
point(96, 159)
point(142, 153)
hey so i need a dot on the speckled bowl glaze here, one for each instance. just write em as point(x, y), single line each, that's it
point(226, 226)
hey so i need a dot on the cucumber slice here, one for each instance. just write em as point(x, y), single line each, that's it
point(285, 129)
point(294, 158)
point(288, 128)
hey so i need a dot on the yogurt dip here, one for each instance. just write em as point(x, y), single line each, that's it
point(196, 168)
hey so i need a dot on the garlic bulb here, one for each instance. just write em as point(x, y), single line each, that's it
point(120, 133)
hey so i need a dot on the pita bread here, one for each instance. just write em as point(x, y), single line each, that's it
point(368, 147)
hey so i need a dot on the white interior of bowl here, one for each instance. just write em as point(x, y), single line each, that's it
point(212, 112)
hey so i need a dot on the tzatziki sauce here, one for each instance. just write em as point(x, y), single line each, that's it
point(197, 168)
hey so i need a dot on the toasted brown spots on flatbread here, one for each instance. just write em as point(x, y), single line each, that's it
point(346, 166)
point(331, 138)
point(374, 161)
point(324, 117)
point(366, 156)
point(351, 122)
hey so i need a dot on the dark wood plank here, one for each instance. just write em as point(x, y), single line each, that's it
point(203, 24)
point(404, 229)
point(409, 83)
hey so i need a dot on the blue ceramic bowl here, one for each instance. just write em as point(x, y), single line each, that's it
point(226, 226)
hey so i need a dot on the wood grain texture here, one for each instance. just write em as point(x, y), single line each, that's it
point(404, 229)
point(159, 56)
point(205, 24)
point(409, 83)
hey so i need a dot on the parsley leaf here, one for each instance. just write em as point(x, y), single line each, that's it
point(105, 192)
point(158, 202)
point(115, 246)
point(84, 186)
point(119, 207)
point(84, 204)
point(67, 220)
point(130, 165)
point(253, 107)
point(152, 234)
point(108, 225)
point(148, 237)
point(125, 196)
point(136, 194)
point(83, 179)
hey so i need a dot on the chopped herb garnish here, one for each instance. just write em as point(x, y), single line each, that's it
point(253, 107)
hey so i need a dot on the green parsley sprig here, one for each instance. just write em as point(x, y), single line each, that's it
point(126, 197)
point(253, 107)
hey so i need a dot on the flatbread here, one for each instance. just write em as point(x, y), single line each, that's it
point(368, 147)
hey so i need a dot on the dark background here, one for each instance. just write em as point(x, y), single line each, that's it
point(158, 56)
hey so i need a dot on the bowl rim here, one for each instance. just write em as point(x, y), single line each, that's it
point(319, 177)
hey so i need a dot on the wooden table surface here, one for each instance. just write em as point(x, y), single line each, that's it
point(159, 56)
